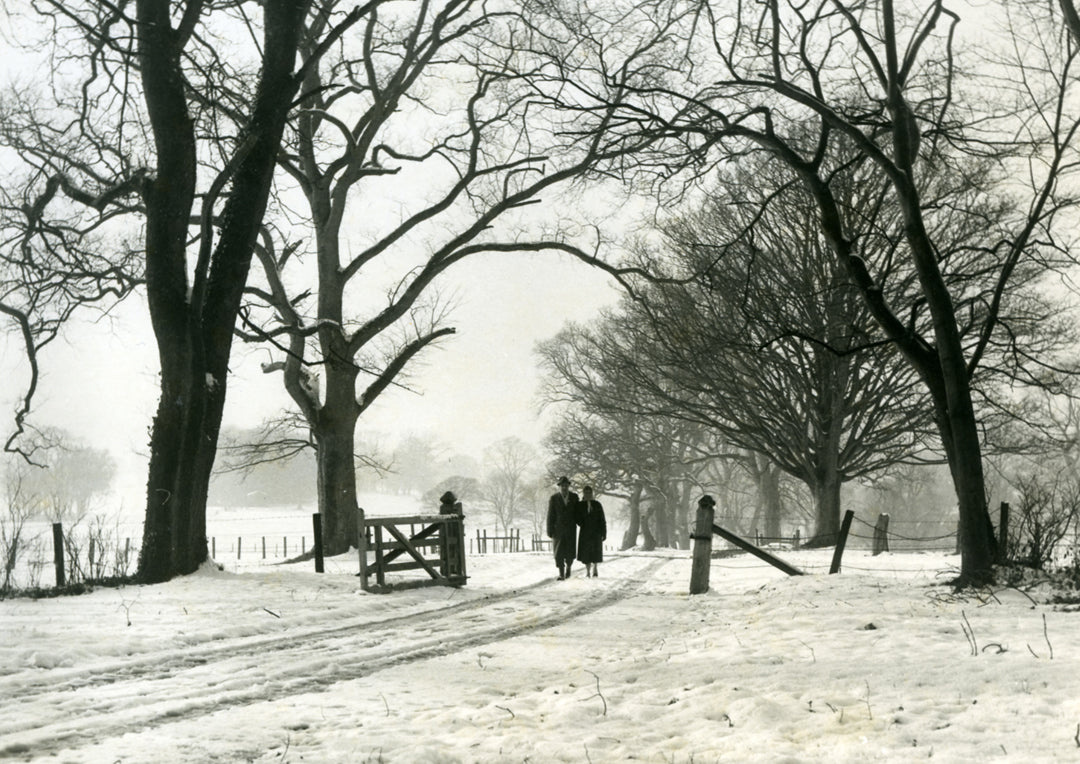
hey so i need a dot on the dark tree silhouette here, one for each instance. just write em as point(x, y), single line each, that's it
point(144, 122)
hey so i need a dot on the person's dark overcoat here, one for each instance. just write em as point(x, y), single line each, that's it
point(562, 522)
point(593, 531)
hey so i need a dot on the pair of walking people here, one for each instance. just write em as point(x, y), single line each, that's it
point(566, 513)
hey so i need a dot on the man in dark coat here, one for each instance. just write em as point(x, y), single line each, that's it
point(562, 522)
point(593, 532)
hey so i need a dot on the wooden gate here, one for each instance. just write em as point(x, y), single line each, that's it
point(438, 549)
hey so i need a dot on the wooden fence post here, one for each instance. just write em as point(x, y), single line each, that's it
point(362, 547)
point(841, 541)
point(58, 552)
point(239, 544)
point(316, 522)
point(881, 534)
point(1003, 534)
point(459, 542)
point(702, 560)
point(380, 567)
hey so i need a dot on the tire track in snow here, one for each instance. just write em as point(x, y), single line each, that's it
point(188, 683)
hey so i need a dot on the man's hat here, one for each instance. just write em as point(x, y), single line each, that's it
point(564, 480)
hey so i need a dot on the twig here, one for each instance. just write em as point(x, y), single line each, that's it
point(385, 703)
point(869, 711)
point(1046, 636)
point(271, 612)
point(598, 693)
point(126, 607)
point(813, 655)
point(1076, 737)
point(288, 740)
point(969, 633)
point(1018, 589)
point(507, 710)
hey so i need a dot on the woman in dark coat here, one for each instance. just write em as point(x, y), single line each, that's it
point(593, 532)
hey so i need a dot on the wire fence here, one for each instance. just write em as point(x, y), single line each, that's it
point(95, 551)
point(863, 534)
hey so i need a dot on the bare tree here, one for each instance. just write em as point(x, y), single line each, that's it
point(444, 107)
point(73, 479)
point(20, 504)
point(893, 87)
point(1046, 512)
point(50, 268)
point(144, 122)
point(767, 343)
point(511, 464)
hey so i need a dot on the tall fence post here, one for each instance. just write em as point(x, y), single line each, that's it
point(458, 534)
point(58, 552)
point(881, 534)
point(702, 561)
point(841, 542)
point(1003, 534)
point(362, 547)
point(316, 522)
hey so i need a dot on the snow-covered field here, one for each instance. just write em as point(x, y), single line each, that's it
point(880, 663)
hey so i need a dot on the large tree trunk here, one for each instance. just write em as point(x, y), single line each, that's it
point(686, 515)
point(662, 518)
point(337, 494)
point(768, 483)
point(826, 491)
point(963, 449)
point(335, 435)
point(942, 367)
point(653, 505)
point(832, 373)
point(633, 528)
point(194, 328)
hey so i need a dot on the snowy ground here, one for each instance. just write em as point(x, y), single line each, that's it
point(880, 663)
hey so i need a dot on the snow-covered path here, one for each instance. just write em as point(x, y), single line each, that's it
point(95, 702)
point(880, 663)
